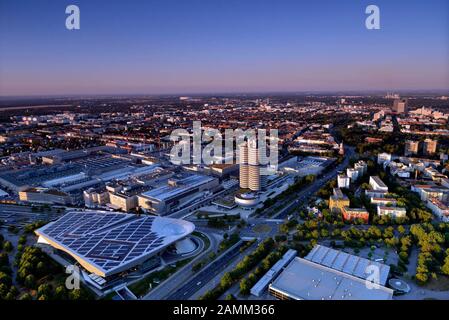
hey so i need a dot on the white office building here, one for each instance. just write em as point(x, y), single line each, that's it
point(343, 181)
point(377, 184)
point(353, 174)
point(251, 172)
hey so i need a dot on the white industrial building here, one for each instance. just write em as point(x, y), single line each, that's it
point(263, 283)
point(394, 212)
point(306, 166)
point(328, 274)
point(177, 193)
point(439, 209)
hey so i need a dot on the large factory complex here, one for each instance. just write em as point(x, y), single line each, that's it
point(110, 178)
point(118, 226)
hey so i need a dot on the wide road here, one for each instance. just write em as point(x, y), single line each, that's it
point(206, 274)
point(307, 191)
point(182, 275)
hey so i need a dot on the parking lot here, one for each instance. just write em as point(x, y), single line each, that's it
point(19, 216)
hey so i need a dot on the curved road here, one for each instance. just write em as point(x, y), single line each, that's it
point(181, 276)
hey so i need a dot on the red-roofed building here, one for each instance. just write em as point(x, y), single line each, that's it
point(351, 214)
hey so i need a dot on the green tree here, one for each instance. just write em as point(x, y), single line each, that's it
point(245, 286)
point(403, 256)
point(60, 293)
point(7, 246)
point(422, 277)
point(226, 280)
point(22, 240)
point(9, 296)
point(4, 260)
point(41, 268)
point(445, 267)
point(30, 281)
point(44, 289)
point(26, 296)
point(3, 290)
point(78, 294)
point(5, 279)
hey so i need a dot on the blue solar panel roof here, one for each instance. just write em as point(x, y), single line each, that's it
point(110, 241)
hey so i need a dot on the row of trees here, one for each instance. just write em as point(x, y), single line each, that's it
point(247, 283)
point(299, 183)
point(248, 262)
point(288, 225)
point(216, 223)
point(5, 245)
point(445, 267)
point(431, 255)
point(7, 290)
point(36, 271)
point(29, 228)
point(228, 241)
point(199, 265)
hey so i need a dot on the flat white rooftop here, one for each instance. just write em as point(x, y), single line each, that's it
point(378, 181)
point(306, 280)
point(186, 184)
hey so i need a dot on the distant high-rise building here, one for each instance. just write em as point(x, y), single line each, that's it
point(392, 96)
point(430, 147)
point(251, 157)
point(411, 147)
point(400, 106)
point(243, 165)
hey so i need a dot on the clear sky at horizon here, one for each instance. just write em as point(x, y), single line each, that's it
point(208, 46)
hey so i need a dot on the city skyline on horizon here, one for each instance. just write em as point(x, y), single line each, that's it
point(317, 93)
point(210, 48)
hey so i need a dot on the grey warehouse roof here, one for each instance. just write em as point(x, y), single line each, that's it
point(347, 263)
point(167, 192)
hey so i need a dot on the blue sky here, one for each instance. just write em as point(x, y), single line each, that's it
point(190, 46)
